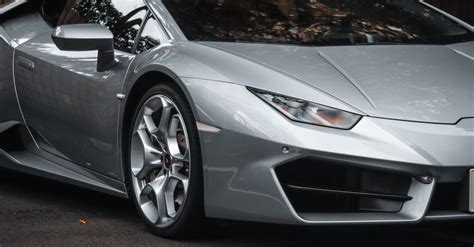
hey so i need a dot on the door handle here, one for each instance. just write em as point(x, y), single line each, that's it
point(26, 63)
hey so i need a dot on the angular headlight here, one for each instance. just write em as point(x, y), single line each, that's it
point(308, 112)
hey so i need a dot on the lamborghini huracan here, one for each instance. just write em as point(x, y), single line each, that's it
point(299, 112)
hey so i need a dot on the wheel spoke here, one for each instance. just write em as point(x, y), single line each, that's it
point(170, 195)
point(158, 187)
point(147, 145)
point(174, 124)
point(150, 157)
point(176, 167)
point(161, 131)
point(150, 124)
point(147, 168)
point(179, 200)
point(147, 203)
point(172, 140)
point(181, 158)
point(144, 156)
point(165, 121)
point(149, 210)
point(181, 179)
point(147, 191)
point(149, 109)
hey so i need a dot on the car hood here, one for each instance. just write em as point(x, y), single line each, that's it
point(424, 83)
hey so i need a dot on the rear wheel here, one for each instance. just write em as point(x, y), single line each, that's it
point(164, 163)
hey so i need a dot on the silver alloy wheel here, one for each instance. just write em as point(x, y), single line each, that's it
point(160, 160)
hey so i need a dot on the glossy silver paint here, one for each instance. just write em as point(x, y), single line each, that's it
point(413, 85)
point(10, 5)
point(66, 94)
point(8, 101)
point(87, 37)
point(417, 103)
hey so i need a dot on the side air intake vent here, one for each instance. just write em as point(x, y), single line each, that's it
point(318, 186)
point(11, 138)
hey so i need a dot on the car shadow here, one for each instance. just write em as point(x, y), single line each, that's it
point(34, 209)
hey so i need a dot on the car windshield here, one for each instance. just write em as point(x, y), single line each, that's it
point(315, 22)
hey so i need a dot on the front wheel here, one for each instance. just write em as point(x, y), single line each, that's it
point(164, 164)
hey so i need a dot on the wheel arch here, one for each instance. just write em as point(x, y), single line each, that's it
point(133, 90)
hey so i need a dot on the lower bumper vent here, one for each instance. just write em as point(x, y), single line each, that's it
point(319, 186)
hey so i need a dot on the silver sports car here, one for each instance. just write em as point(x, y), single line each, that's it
point(304, 112)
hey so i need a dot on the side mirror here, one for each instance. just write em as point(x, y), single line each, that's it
point(87, 37)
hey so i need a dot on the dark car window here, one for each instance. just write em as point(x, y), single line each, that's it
point(51, 10)
point(314, 22)
point(151, 36)
point(122, 17)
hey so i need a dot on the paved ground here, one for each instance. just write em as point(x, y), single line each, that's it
point(37, 212)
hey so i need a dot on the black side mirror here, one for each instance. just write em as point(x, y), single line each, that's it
point(87, 37)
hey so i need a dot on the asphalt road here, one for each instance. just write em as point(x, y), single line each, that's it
point(39, 212)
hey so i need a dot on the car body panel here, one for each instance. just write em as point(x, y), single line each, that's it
point(240, 159)
point(25, 27)
point(218, 65)
point(44, 164)
point(51, 163)
point(8, 102)
point(405, 82)
point(72, 106)
point(466, 49)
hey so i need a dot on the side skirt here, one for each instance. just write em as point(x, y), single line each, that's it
point(17, 152)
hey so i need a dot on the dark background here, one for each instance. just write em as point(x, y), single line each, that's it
point(463, 9)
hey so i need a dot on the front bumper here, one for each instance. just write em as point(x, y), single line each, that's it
point(246, 145)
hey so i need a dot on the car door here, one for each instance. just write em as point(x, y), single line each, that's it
point(70, 107)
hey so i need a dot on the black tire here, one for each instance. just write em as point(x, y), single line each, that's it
point(189, 221)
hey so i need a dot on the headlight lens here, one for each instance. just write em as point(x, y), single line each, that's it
point(308, 112)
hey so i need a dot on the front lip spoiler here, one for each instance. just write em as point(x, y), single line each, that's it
point(448, 215)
